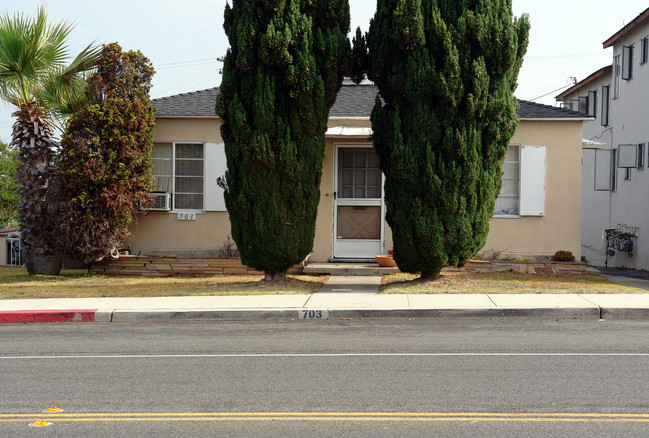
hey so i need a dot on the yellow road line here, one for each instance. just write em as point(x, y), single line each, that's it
point(330, 416)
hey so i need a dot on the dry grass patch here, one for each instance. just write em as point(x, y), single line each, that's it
point(503, 283)
point(15, 283)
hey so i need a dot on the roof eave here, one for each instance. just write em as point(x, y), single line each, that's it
point(626, 29)
point(596, 75)
point(556, 119)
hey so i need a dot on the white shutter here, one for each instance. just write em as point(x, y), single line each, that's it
point(603, 169)
point(532, 202)
point(215, 166)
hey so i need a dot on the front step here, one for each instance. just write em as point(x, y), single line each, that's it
point(348, 269)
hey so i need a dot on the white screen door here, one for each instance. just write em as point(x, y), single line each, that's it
point(359, 211)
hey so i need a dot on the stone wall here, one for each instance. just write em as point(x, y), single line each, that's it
point(164, 265)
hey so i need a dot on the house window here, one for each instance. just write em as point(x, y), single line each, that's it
point(523, 183)
point(641, 155)
point(507, 201)
point(592, 103)
point(617, 72)
point(644, 50)
point(583, 104)
point(178, 169)
point(605, 99)
point(627, 63)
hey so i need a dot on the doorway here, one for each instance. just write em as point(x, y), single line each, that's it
point(359, 210)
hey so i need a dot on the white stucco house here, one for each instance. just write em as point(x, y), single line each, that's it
point(615, 182)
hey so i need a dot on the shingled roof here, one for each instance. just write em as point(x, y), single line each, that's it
point(353, 101)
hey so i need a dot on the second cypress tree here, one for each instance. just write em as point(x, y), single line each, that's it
point(446, 70)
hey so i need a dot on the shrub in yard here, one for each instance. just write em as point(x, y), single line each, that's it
point(564, 256)
point(105, 162)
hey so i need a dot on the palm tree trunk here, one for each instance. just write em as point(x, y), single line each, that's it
point(33, 135)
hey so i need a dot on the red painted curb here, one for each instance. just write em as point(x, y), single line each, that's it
point(27, 316)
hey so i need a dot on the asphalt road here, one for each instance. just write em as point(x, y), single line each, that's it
point(327, 378)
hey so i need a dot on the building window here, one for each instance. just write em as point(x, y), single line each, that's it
point(583, 104)
point(614, 170)
point(641, 155)
point(15, 255)
point(592, 103)
point(574, 105)
point(627, 63)
point(178, 169)
point(644, 50)
point(605, 99)
point(617, 72)
point(507, 201)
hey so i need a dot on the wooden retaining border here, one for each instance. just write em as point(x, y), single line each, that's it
point(531, 267)
point(167, 265)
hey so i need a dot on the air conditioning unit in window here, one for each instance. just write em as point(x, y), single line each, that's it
point(161, 202)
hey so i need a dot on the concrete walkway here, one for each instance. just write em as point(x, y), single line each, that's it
point(342, 297)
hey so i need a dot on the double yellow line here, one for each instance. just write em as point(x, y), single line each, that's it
point(45, 418)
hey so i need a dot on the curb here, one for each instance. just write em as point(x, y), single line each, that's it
point(36, 316)
point(95, 315)
point(294, 314)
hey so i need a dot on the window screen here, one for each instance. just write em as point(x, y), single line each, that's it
point(359, 174)
point(188, 190)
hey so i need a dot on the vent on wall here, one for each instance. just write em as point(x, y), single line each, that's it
point(161, 202)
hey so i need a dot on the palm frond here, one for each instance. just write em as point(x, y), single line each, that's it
point(29, 49)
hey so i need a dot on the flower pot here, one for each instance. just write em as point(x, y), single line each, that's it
point(386, 261)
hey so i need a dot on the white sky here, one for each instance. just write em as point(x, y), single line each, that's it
point(184, 38)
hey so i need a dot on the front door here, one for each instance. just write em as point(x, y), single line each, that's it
point(359, 211)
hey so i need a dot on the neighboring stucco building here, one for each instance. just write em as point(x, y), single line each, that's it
point(12, 250)
point(537, 214)
point(614, 180)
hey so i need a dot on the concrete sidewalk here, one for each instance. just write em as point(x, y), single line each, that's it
point(342, 297)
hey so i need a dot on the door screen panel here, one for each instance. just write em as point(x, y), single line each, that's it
point(359, 222)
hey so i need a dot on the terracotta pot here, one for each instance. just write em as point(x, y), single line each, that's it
point(386, 261)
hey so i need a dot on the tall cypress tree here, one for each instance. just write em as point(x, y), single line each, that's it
point(446, 70)
point(280, 77)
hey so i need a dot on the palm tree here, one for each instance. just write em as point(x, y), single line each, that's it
point(34, 77)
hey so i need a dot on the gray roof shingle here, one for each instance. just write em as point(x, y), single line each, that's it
point(352, 101)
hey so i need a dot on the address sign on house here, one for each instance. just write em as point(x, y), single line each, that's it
point(187, 216)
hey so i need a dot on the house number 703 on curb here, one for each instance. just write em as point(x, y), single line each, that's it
point(314, 314)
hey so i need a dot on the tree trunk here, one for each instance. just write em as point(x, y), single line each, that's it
point(276, 276)
point(33, 136)
point(43, 264)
